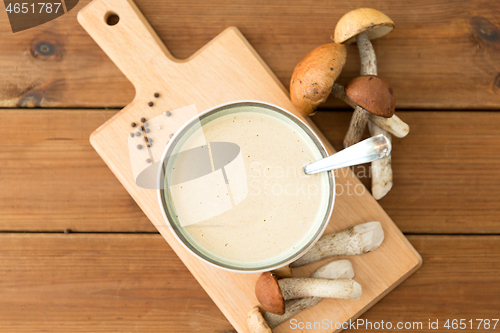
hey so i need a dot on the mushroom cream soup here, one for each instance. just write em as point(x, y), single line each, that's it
point(238, 191)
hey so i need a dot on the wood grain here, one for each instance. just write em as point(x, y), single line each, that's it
point(446, 176)
point(224, 70)
point(135, 283)
point(442, 55)
point(99, 283)
point(51, 179)
point(78, 191)
point(457, 281)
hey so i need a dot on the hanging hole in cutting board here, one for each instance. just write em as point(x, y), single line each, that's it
point(111, 18)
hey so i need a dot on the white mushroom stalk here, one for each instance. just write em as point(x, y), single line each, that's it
point(366, 54)
point(393, 125)
point(381, 169)
point(356, 240)
point(360, 116)
point(337, 269)
point(256, 323)
point(293, 288)
point(283, 272)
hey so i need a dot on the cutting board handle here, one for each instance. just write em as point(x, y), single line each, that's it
point(131, 42)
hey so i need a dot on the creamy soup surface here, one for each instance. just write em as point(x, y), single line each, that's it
point(281, 207)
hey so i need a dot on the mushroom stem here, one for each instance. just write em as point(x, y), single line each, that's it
point(368, 66)
point(293, 307)
point(352, 241)
point(283, 272)
point(338, 91)
point(337, 269)
point(381, 169)
point(356, 127)
point(366, 55)
point(256, 323)
point(293, 288)
point(393, 125)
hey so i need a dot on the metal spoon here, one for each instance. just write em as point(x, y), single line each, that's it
point(369, 150)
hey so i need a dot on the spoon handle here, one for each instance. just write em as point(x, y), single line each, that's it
point(368, 150)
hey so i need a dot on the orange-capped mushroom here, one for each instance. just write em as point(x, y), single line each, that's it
point(362, 20)
point(314, 76)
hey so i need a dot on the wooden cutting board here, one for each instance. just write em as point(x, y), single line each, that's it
point(226, 69)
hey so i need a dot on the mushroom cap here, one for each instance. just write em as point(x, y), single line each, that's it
point(269, 294)
point(375, 23)
point(373, 94)
point(314, 76)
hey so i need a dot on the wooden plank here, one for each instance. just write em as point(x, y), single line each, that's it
point(459, 280)
point(224, 70)
point(99, 283)
point(442, 183)
point(445, 171)
point(442, 55)
point(51, 179)
point(104, 283)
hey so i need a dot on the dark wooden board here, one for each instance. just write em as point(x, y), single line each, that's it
point(442, 55)
point(445, 172)
point(126, 283)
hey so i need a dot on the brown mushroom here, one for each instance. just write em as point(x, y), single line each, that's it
point(314, 76)
point(356, 240)
point(356, 19)
point(393, 125)
point(336, 269)
point(373, 94)
point(361, 25)
point(272, 293)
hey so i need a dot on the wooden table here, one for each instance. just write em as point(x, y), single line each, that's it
point(77, 254)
